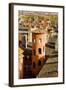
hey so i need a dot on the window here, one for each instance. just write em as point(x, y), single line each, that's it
point(39, 50)
point(34, 65)
point(39, 63)
point(34, 41)
point(39, 40)
point(34, 52)
point(28, 57)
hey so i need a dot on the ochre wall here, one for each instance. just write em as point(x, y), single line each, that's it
point(38, 43)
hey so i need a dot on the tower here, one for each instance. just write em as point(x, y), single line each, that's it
point(38, 51)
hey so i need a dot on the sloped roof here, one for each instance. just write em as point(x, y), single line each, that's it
point(50, 68)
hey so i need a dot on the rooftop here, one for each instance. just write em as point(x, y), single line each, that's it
point(39, 31)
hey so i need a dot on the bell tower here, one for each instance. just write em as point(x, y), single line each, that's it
point(38, 52)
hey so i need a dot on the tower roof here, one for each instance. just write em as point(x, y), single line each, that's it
point(39, 31)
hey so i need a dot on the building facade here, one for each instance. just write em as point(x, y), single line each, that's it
point(38, 52)
point(24, 57)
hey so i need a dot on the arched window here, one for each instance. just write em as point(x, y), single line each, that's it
point(40, 41)
point(39, 63)
point(39, 50)
point(34, 40)
point(28, 57)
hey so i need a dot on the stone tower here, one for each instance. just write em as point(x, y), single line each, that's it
point(38, 51)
